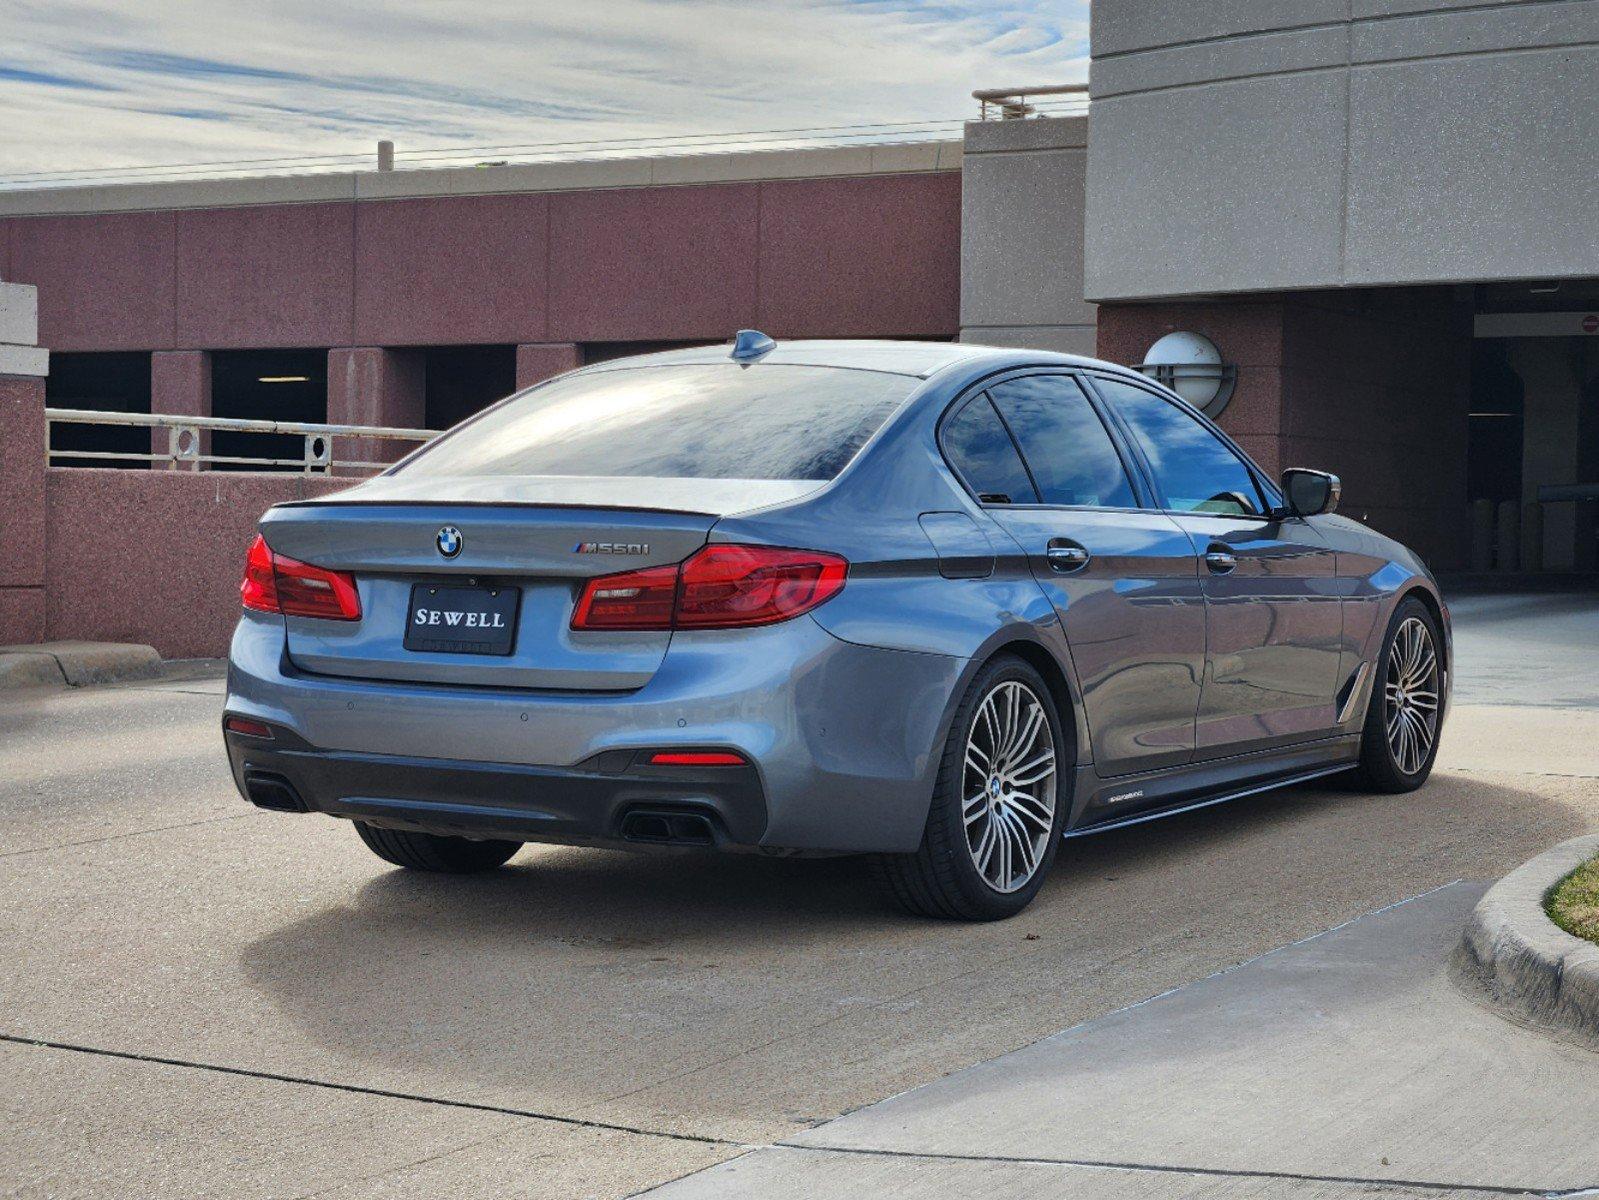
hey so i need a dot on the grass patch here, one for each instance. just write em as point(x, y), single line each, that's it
point(1573, 903)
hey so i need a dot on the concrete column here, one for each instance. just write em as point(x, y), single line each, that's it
point(23, 367)
point(538, 361)
point(1507, 536)
point(371, 385)
point(1482, 535)
point(1532, 537)
point(1022, 198)
point(180, 386)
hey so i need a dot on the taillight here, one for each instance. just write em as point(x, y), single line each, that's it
point(276, 584)
point(754, 585)
point(719, 587)
point(631, 600)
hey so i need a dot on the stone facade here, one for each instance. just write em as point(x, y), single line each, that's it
point(1371, 384)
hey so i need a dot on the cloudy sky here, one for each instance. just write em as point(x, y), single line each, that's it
point(96, 83)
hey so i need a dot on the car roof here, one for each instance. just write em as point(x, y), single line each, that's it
point(919, 359)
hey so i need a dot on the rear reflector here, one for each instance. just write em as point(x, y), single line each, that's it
point(247, 727)
point(719, 587)
point(680, 758)
point(276, 584)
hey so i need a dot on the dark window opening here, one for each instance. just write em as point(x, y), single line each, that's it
point(598, 352)
point(107, 383)
point(464, 380)
point(267, 385)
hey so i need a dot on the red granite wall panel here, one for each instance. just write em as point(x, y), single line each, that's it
point(861, 257)
point(652, 264)
point(106, 282)
point(450, 270)
point(271, 276)
point(173, 541)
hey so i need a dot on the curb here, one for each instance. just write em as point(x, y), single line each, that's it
point(75, 664)
point(1531, 970)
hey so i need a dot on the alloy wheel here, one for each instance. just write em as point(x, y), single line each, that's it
point(1009, 786)
point(1410, 695)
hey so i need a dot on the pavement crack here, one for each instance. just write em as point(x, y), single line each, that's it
point(1483, 1189)
point(131, 833)
point(363, 1090)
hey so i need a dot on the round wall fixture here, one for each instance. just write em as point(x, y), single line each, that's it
point(1191, 366)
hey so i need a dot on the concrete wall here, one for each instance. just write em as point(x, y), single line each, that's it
point(22, 437)
point(1373, 385)
point(1250, 145)
point(154, 556)
point(856, 242)
point(1022, 234)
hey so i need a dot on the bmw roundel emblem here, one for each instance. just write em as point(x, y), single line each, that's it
point(449, 541)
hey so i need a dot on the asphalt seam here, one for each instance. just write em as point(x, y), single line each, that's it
point(132, 833)
point(362, 1090)
point(1173, 1169)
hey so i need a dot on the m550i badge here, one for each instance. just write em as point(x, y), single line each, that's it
point(611, 548)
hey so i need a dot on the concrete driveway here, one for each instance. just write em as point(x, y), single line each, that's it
point(200, 999)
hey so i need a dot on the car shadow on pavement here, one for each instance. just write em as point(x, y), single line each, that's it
point(576, 975)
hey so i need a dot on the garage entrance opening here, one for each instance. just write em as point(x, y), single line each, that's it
point(267, 385)
point(1535, 421)
point(464, 380)
point(107, 383)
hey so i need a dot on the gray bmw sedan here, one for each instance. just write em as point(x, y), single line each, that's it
point(939, 604)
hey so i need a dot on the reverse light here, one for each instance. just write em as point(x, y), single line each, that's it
point(628, 600)
point(275, 583)
point(718, 587)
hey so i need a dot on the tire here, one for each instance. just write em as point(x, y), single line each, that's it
point(1407, 681)
point(942, 878)
point(433, 852)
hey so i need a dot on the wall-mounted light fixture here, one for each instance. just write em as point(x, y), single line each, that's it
point(1191, 366)
point(283, 379)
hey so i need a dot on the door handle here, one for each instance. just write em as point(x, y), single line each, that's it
point(1220, 562)
point(1066, 556)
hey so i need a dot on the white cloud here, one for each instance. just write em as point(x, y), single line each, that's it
point(94, 84)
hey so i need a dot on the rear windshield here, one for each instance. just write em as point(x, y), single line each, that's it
point(710, 421)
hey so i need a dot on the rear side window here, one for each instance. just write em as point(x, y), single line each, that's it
point(1197, 471)
point(1065, 444)
point(982, 453)
point(702, 421)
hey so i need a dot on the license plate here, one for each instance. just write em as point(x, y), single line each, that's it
point(450, 619)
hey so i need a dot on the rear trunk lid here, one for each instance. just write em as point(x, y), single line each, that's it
point(522, 563)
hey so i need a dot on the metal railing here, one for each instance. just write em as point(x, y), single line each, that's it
point(186, 446)
point(1053, 100)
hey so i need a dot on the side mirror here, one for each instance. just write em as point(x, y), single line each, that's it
point(1310, 492)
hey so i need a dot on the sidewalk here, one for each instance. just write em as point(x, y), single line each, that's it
point(1342, 1064)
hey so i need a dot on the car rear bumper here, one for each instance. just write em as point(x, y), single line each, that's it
point(841, 740)
point(617, 798)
